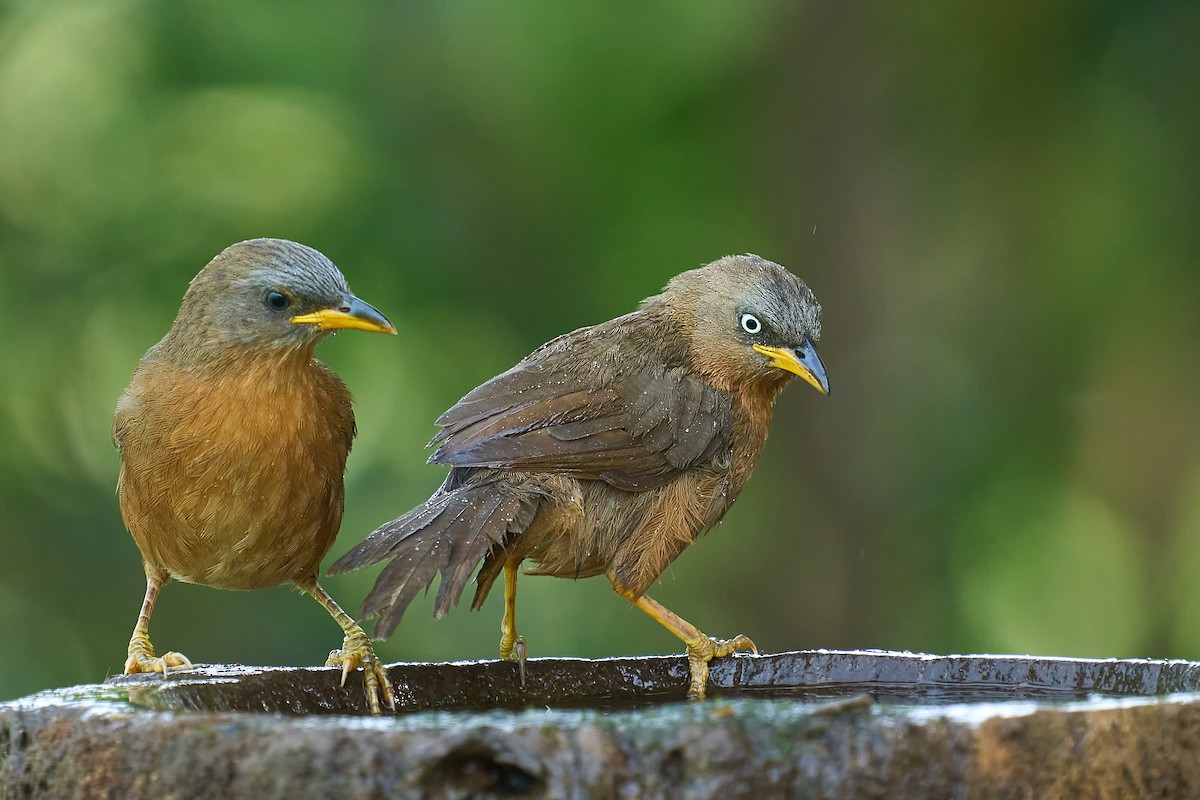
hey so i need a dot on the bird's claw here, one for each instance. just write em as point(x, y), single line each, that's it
point(704, 649)
point(357, 651)
point(515, 650)
point(144, 660)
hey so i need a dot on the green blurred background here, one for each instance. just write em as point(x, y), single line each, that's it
point(996, 204)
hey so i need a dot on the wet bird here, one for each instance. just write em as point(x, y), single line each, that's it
point(607, 451)
point(233, 439)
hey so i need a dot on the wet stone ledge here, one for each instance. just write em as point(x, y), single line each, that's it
point(803, 724)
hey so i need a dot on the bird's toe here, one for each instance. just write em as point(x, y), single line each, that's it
point(515, 650)
point(704, 649)
point(725, 647)
point(142, 661)
point(357, 651)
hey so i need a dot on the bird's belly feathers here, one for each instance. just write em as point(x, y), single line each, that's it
point(237, 497)
point(633, 535)
point(233, 534)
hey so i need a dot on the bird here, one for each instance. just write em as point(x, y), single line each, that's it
point(233, 441)
point(607, 451)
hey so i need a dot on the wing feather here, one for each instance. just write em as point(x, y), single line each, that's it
point(571, 409)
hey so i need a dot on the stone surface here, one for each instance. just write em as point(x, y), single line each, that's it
point(615, 683)
point(809, 724)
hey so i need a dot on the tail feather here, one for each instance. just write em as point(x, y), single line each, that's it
point(398, 584)
point(487, 523)
point(493, 565)
point(450, 533)
point(384, 540)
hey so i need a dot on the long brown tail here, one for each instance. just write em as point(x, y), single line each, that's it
point(449, 533)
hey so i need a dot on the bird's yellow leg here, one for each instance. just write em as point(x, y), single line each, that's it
point(512, 646)
point(356, 650)
point(700, 648)
point(141, 652)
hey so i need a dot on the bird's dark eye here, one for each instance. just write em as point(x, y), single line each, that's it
point(276, 301)
point(750, 323)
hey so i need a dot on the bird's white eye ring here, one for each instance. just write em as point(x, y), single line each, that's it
point(750, 323)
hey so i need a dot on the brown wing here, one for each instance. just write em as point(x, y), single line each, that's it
point(613, 403)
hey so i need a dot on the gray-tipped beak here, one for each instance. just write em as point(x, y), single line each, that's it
point(813, 368)
point(351, 313)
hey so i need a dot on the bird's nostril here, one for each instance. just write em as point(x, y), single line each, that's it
point(344, 308)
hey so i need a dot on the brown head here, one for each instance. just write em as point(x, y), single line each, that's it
point(265, 294)
point(750, 321)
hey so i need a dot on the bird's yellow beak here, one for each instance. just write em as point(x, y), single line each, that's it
point(802, 361)
point(351, 313)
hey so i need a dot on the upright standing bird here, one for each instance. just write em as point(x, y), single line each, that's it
point(607, 451)
point(233, 440)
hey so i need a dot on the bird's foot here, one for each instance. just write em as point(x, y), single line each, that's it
point(514, 649)
point(704, 649)
point(357, 651)
point(142, 659)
